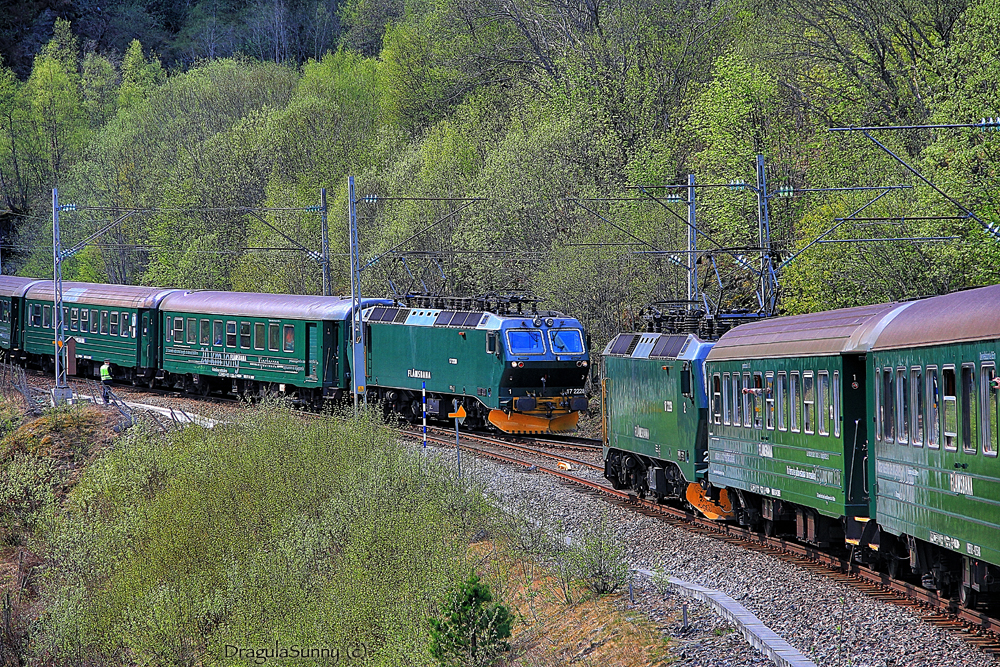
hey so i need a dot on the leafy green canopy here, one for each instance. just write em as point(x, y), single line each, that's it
point(269, 530)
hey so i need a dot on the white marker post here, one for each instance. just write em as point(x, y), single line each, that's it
point(459, 415)
point(423, 389)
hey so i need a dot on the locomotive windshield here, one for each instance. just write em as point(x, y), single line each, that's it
point(566, 341)
point(525, 341)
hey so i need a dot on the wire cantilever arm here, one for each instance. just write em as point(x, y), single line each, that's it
point(312, 253)
point(100, 232)
point(458, 210)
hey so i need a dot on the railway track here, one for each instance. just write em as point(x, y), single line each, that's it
point(972, 626)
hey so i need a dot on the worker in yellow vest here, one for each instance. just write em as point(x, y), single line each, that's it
point(106, 380)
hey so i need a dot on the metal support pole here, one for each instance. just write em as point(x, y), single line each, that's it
point(423, 391)
point(325, 259)
point(692, 245)
point(358, 371)
point(768, 286)
point(62, 392)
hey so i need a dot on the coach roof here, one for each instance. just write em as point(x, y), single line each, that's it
point(843, 331)
point(96, 294)
point(277, 306)
point(15, 285)
point(961, 317)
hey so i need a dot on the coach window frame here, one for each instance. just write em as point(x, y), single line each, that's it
point(917, 408)
point(823, 402)
point(932, 400)
point(949, 412)
point(889, 405)
point(809, 402)
point(726, 395)
point(192, 331)
point(769, 407)
point(716, 398)
point(259, 335)
point(781, 396)
point(794, 394)
point(737, 419)
point(747, 415)
point(274, 337)
point(835, 403)
point(46, 317)
point(969, 409)
point(231, 339)
point(84, 320)
point(902, 405)
point(204, 332)
point(95, 318)
point(113, 331)
point(74, 319)
point(989, 408)
point(286, 339)
point(218, 333)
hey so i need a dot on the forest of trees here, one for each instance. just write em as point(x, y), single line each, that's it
point(548, 113)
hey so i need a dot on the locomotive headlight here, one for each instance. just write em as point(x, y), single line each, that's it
point(581, 363)
point(537, 321)
point(549, 322)
point(584, 364)
point(513, 364)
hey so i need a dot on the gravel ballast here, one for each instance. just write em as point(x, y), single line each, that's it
point(830, 623)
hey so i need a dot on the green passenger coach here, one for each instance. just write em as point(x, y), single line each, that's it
point(787, 421)
point(12, 289)
point(936, 422)
point(251, 343)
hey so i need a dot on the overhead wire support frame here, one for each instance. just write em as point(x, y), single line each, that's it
point(992, 228)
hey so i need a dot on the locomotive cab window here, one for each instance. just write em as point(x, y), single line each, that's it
point(205, 332)
point(491, 342)
point(769, 401)
point(970, 421)
point(114, 323)
point(950, 408)
point(525, 341)
point(726, 392)
point(273, 337)
point(809, 402)
point(782, 400)
point(793, 402)
point(933, 402)
point(990, 409)
point(289, 338)
point(917, 407)
point(566, 341)
point(230, 334)
point(192, 331)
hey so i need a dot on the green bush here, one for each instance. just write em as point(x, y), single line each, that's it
point(269, 531)
point(472, 629)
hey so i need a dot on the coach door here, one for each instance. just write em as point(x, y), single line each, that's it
point(312, 351)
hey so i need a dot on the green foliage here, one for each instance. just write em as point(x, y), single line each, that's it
point(600, 558)
point(271, 528)
point(472, 629)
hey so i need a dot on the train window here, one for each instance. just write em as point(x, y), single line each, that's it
point(769, 400)
point(65, 321)
point(737, 393)
point(192, 331)
point(491, 342)
point(878, 404)
point(757, 400)
point(94, 321)
point(950, 409)
point(230, 334)
point(133, 327)
point(104, 322)
point(823, 396)
point(888, 406)
point(217, 332)
point(205, 332)
point(726, 393)
point(84, 320)
point(124, 322)
point(526, 341)
point(178, 329)
point(933, 402)
point(991, 410)
point(902, 408)
point(74, 319)
point(258, 336)
point(289, 338)
point(970, 422)
point(114, 323)
point(917, 411)
point(716, 399)
point(273, 337)
point(835, 408)
point(747, 415)
point(47, 316)
point(782, 400)
point(245, 335)
point(808, 402)
point(793, 402)
point(36, 315)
